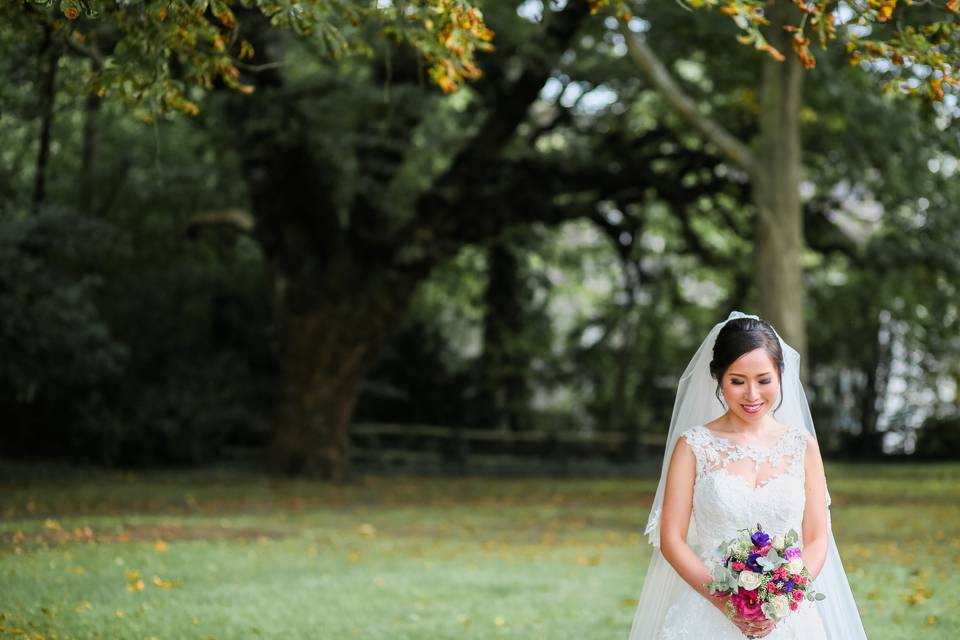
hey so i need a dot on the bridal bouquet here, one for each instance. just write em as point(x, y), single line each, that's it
point(766, 576)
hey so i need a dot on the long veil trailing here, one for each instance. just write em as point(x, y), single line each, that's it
point(697, 405)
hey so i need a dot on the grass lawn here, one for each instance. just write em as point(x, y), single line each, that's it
point(206, 555)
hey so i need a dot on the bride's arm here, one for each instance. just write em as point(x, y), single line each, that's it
point(814, 511)
point(675, 521)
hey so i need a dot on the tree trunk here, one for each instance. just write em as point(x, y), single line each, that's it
point(49, 57)
point(870, 439)
point(776, 190)
point(505, 359)
point(321, 376)
point(88, 167)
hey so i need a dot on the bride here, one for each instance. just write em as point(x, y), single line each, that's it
point(741, 451)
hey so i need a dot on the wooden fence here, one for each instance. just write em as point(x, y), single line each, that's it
point(382, 446)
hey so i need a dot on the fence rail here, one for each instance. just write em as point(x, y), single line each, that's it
point(389, 445)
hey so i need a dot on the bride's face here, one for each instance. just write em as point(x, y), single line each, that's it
point(751, 385)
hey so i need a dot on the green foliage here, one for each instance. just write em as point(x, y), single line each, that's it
point(56, 342)
point(159, 56)
point(914, 45)
point(939, 439)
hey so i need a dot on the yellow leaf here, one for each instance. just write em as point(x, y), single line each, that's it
point(166, 584)
point(160, 546)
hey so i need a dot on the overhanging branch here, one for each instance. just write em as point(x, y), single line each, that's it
point(660, 77)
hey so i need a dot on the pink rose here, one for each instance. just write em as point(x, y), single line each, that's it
point(747, 604)
point(797, 594)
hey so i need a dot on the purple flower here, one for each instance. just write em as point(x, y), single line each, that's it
point(788, 586)
point(792, 552)
point(752, 563)
point(760, 539)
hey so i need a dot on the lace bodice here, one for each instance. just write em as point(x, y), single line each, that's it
point(738, 486)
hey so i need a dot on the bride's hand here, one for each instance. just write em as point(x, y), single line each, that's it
point(754, 628)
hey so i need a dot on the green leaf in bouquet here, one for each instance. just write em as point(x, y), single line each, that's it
point(733, 582)
point(818, 597)
point(771, 561)
point(721, 574)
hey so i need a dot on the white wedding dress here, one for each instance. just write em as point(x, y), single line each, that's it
point(725, 500)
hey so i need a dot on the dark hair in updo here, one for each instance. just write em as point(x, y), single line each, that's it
point(740, 336)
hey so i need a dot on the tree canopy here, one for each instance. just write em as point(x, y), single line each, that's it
point(155, 54)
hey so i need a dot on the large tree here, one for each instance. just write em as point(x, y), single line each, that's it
point(919, 56)
point(346, 268)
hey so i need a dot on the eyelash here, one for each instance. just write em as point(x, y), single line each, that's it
point(739, 382)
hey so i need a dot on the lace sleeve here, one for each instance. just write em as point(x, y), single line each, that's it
point(795, 447)
point(704, 449)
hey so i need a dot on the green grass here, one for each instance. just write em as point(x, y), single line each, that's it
point(243, 556)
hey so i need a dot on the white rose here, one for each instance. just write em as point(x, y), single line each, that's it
point(749, 580)
point(778, 543)
point(795, 565)
point(781, 606)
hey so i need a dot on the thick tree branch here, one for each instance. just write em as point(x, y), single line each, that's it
point(660, 77)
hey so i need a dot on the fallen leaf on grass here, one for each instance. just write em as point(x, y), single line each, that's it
point(166, 584)
point(134, 581)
